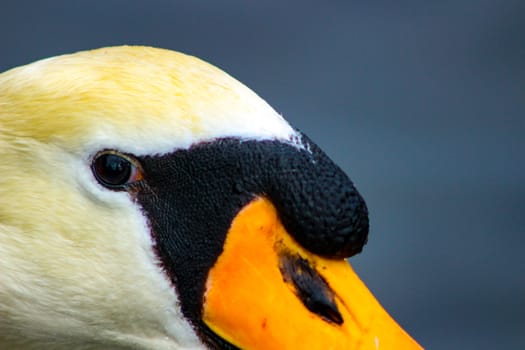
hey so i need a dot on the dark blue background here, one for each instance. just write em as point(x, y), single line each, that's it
point(421, 102)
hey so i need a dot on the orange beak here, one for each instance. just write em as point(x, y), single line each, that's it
point(267, 292)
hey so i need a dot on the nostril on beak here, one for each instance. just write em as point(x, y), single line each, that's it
point(310, 287)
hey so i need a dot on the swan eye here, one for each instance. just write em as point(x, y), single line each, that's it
point(115, 171)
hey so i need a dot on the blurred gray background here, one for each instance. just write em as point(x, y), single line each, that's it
point(421, 102)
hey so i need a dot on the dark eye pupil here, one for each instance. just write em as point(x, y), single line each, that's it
point(112, 170)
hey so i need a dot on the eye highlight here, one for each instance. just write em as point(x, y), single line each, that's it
point(115, 171)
